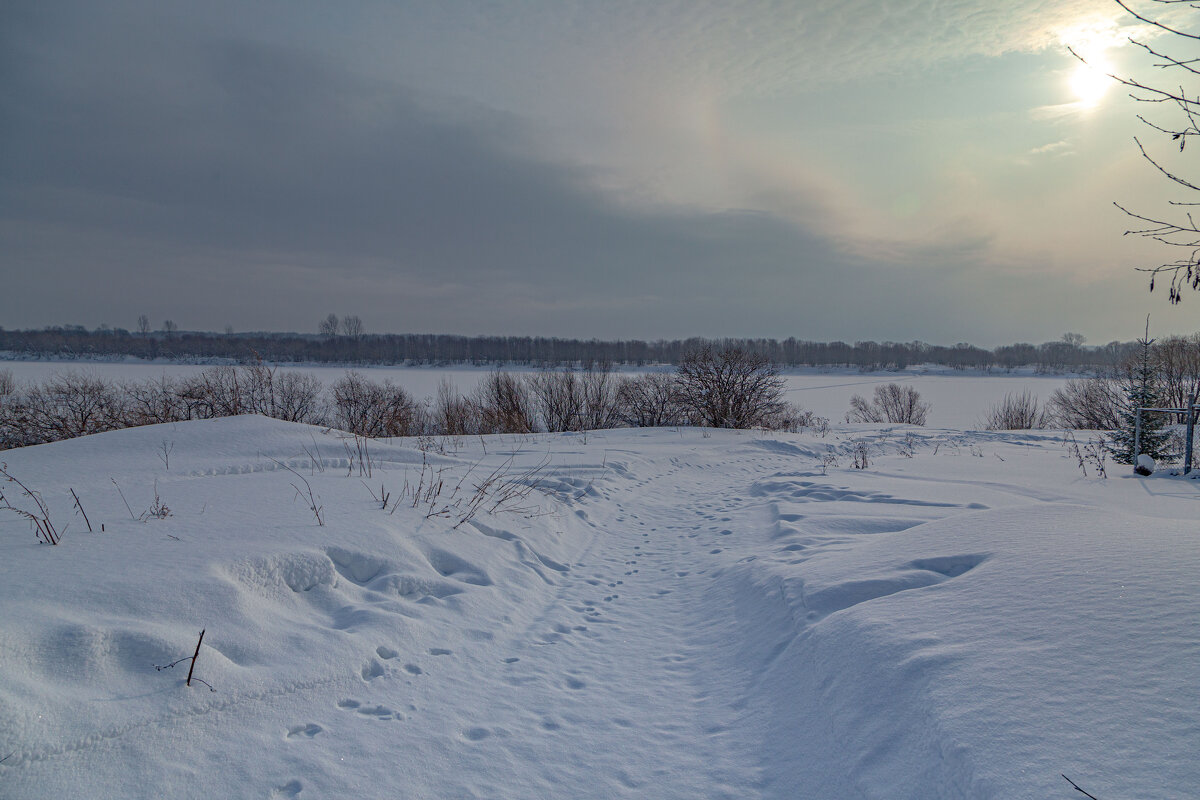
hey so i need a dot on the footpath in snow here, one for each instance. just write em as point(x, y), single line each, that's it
point(644, 613)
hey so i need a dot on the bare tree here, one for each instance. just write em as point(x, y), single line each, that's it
point(651, 400)
point(352, 326)
point(143, 325)
point(298, 398)
point(1175, 227)
point(329, 326)
point(1177, 369)
point(730, 388)
point(891, 403)
point(169, 327)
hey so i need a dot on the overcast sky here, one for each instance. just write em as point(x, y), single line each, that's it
point(861, 169)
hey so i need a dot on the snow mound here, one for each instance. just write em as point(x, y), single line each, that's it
point(669, 614)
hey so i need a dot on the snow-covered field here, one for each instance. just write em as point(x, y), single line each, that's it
point(959, 399)
point(640, 613)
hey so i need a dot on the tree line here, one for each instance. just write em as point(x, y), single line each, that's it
point(345, 342)
point(726, 388)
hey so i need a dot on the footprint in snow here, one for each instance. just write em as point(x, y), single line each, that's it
point(372, 670)
point(378, 712)
point(310, 730)
point(289, 789)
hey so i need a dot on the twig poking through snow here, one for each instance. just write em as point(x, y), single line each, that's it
point(123, 500)
point(79, 505)
point(192, 668)
point(1076, 785)
point(46, 531)
point(307, 494)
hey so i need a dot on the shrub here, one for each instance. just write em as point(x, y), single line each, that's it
point(68, 405)
point(375, 410)
point(891, 403)
point(1016, 412)
point(503, 404)
point(651, 401)
point(453, 414)
point(731, 388)
point(558, 395)
point(1091, 404)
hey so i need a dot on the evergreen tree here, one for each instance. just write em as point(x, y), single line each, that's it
point(1141, 391)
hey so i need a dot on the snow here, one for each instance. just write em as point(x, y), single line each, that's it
point(665, 613)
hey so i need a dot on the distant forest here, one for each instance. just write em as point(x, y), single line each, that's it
point(76, 342)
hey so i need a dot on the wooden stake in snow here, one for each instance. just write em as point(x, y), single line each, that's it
point(194, 657)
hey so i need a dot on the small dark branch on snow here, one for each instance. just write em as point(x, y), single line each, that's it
point(195, 655)
point(7, 757)
point(307, 494)
point(123, 500)
point(79, 505)
point(45, 530)
point(1076, 785)
point(192, 668)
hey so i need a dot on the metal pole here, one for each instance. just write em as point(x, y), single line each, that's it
point(1191, 427)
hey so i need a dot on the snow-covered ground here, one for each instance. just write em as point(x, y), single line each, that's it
point(959, 399)
point(641, 613)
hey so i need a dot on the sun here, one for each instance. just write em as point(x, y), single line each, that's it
point(1090, 82)
point(1091, 42)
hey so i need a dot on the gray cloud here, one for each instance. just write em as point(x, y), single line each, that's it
point(202, 163)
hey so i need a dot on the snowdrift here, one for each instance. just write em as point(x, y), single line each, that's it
point(645, 613)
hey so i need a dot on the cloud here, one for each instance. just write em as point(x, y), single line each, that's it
point(1061, 147)
point(440, 167)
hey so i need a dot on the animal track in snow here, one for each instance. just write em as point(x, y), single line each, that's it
point(372, 670)
point(377, 712)
point(289, 789)
point(310, 730)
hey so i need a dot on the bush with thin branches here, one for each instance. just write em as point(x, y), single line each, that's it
point(651, 401)
point(1091, 404)
point(891, 403)
point(1018, 411)
point(729, 388)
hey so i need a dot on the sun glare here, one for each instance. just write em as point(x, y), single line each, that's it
point(1089, 82)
